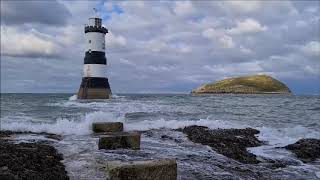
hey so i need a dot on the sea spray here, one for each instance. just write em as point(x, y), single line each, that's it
point(73, 97)
point(64, 126)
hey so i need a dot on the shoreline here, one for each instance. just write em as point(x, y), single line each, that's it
point(30, 160)
point(40, 160)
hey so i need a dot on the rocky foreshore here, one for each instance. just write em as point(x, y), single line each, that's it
point(229, 142)
point(36, 160)
point(307, 150)
point(233, 143)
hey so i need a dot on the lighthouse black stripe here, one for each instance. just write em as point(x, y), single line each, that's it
point(95, 82)
point(95, 29)
point(95, 57)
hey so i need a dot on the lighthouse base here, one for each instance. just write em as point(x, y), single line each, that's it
point(94, 88)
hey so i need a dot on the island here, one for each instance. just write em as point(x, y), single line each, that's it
point(257, 84)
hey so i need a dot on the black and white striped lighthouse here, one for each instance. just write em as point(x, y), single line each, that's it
point(94, 83)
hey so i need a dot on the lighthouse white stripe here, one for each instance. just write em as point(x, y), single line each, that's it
point(94, 70)
point(95, 41)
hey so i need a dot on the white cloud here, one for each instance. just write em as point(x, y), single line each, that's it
point(162, 68)
point(244, 68)
point(311, 48)
point(245, 50)
point(210, 33)
point(163, 41)
point(155, 45)
point(249, 25)
point(126, 62)
point(226, 41)
point(185, 49)
point(244, 6)
point(115, 40)
point(183, 8)
point(27, 43)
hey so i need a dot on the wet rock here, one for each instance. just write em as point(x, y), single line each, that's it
point(30, 161)
point(307, 150)
point(47, 135)
point(126, 140)
point(54, 136)
point(107, 127)
point(143, 170)
point(229, 142)
point(166, 137)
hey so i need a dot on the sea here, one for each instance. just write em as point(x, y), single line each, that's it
point(281, 120)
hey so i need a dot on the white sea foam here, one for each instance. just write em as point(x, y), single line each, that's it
point(64, 126)
point(115, 96)
point(82, 125)
point(73, 97)
point(285, 136)
point(280, 137)
point(174, 124)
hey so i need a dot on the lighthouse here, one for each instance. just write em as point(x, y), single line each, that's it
point(95, 84)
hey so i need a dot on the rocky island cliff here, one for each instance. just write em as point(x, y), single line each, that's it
point(257, 84)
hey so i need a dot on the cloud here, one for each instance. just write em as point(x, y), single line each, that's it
point(249, 25)
point(173, 46)
point(210, 33)
point(220, 36)
point(244, 6)
point(311, 48)
point(42, 12)
point(226, 41)
point(27, 44)
point(115, 40)
point(183, 8)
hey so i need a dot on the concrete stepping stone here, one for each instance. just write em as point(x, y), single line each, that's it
point(100, 127)
point(118, 140)
point(164, 169)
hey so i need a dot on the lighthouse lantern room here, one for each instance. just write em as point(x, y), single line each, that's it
point(94, 83)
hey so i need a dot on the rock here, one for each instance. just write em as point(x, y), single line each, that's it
point(229, 142)
point(143, 170)
point(307, 150)
point(45, 134)
point(258, 84)
point(107, 127)
point(125, 140)
point(54, 136)
point(30, 161)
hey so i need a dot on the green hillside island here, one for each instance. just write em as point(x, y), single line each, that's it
point(258, 84)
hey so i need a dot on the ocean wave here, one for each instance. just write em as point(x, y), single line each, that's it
point(73, 97)
point(283, 136)
point(175, 124)
point(276, 137)
point(63, 126)
point(114, 96)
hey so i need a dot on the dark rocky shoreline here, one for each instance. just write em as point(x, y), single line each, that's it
point(35, 160)
point(40, 160)
point(307, 150)
point(233, 143)
point(229, 142)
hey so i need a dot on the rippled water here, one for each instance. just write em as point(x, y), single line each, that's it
point(281, 119)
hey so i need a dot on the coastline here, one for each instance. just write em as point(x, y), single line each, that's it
point(30, 160)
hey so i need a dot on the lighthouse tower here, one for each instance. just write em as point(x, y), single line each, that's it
point(94, 83)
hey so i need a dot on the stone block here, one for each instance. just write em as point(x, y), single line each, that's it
point(99, 127)
point(124, 140)
point(165, 169)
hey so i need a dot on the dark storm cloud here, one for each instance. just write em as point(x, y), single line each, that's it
point(43, 12)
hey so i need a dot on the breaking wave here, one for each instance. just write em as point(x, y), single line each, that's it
point(82, 126)
point(63, 126)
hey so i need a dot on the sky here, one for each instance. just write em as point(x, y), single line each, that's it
point(161, 46)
